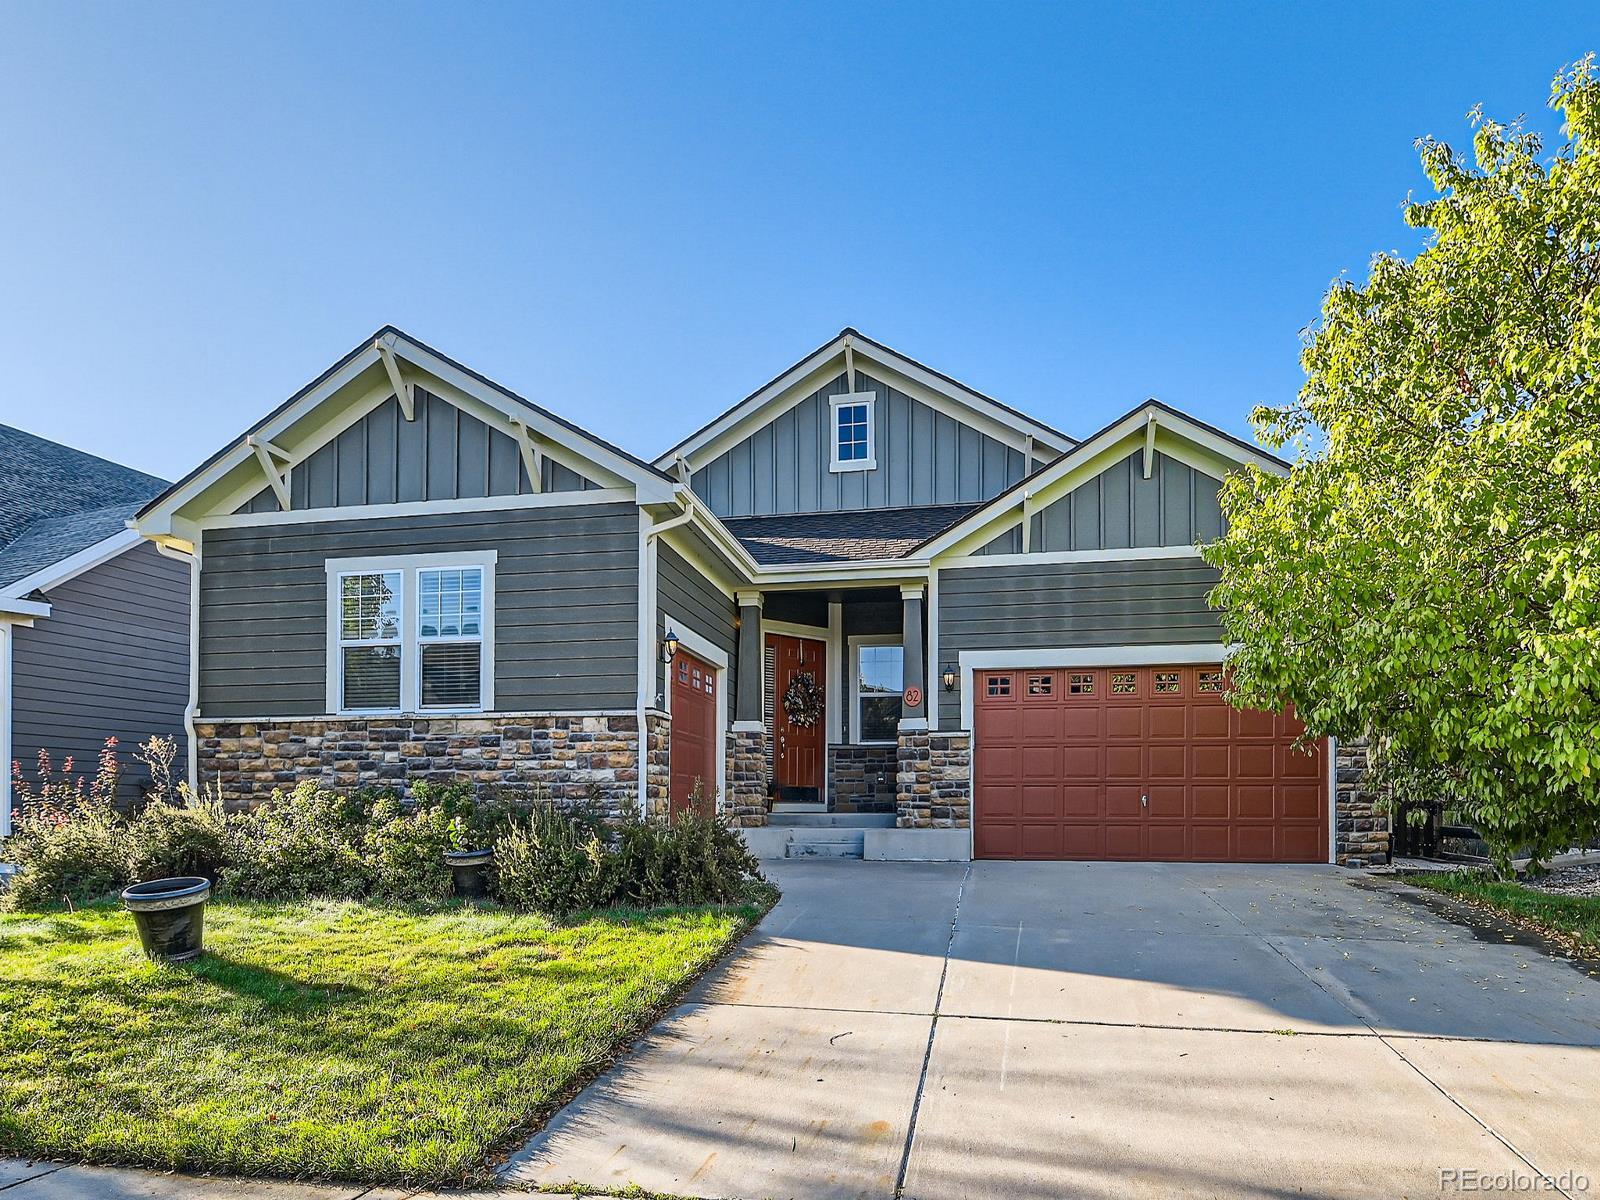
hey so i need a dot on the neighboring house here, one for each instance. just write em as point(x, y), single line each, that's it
point(864, 596)
point(94, 621)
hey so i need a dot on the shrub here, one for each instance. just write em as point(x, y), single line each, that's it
point(405, 848)
point(696, 859)
point(554, 860)
point(299, 844)
point(166, 839)
point(66, 858)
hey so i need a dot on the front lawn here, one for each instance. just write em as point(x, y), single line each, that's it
point(324, 1039)
point(1571, 921)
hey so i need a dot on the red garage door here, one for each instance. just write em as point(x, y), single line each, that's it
point(1140, 763)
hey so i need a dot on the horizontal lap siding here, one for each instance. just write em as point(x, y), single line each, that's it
point(1051, 605)
point(686, 595)
point(566, 606)
point(111, 659)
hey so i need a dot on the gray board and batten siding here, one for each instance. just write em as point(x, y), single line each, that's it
point(687, 596)
point(1029, 606)
point(566, 606)
point(442, 454)
point(1120, 509)
point(923, 457)
point(111, 660)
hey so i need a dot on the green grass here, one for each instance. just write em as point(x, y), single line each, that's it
point(1571, 921)
point(328, 1040)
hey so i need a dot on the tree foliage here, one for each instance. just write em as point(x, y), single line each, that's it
point(1428, 573)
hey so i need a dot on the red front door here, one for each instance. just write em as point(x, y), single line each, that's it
point(692, 749)
point(797, 731)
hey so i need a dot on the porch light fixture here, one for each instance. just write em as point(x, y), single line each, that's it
point(949, 677)
point(669, 647)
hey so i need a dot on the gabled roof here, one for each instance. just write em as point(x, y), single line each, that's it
point(1218, 449)
point(365, 358)
point(774, 396)
point(831, 537)
point(56, 501)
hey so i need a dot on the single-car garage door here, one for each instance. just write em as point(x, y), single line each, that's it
point(1140, 763)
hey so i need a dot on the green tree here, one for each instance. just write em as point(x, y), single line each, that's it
point(1428, 573)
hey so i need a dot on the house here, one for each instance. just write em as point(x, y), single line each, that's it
point(865, 598)
point(94, 620)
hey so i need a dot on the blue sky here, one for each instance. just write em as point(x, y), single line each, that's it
point(635, 214)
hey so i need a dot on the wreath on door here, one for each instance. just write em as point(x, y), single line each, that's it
point(802, 700)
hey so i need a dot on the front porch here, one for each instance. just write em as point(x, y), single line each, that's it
point(830, 749)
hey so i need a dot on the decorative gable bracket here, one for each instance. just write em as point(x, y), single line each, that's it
point(532, 456)
point(269, 456)
point(404, 392)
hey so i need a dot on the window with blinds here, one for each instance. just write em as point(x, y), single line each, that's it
point(411, 636)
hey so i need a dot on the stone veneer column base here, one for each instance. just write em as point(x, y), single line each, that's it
point(657, 762)
point(745, 797)
point(861, 779)
point(574, 758)
point(933, 783)
point(1360, 827)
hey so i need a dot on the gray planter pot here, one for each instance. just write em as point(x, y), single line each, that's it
point(170, 915)
point(470, 871)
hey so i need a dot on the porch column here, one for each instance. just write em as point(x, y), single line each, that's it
point(913, 716)
point(747, 699)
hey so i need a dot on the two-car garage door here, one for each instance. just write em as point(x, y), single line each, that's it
point(1140, 763)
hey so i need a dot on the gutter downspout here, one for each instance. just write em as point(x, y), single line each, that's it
point(192, 709)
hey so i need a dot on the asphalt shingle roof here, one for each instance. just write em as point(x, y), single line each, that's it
point(842, 536)
point(55, 501)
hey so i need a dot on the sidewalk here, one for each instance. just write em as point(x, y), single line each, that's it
point(24, 1180)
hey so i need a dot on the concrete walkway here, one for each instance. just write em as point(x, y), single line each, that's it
point(1041, 1030)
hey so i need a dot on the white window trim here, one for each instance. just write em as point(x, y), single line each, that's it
point(411, 644)
point(860, 640)
point(851, 399)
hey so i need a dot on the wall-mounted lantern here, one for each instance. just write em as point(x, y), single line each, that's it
point(669, 647)
point(949, 677)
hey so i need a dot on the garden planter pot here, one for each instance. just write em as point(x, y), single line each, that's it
point(470, 869)
point(170, 915)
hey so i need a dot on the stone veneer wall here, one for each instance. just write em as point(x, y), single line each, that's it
point(571, 757)
point(657, 761)
point(746, 797)
point(933, 786)
point(1361, 828)
point(861, 779)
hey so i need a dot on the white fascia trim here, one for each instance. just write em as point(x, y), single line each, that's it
point(419, 508)
point(701, 647)
point(559, 439)
point(1043, 558)
point(806, 376)
point(1182, 653)
point(410, 664)
point(816, 633)
point(21, 612)
point(1042, 489)
point(71, 567)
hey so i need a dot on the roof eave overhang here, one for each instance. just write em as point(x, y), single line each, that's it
point(294, 428)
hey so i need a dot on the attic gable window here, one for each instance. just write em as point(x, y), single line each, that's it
point(854, 443)
point(411, 633)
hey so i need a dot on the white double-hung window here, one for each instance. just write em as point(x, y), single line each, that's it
point(411, 633)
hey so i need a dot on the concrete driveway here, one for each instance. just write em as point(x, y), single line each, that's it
point(1044, 1030)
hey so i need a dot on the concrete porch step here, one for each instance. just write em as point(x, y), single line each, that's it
point(828, 820)
point(825, 843)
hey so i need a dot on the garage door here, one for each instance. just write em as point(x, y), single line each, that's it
point(1140, 763)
